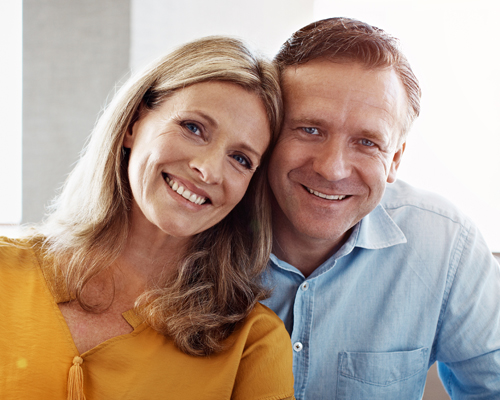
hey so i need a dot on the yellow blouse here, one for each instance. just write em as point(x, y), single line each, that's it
point(37, 350)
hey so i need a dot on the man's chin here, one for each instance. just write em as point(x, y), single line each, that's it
point(322, 230)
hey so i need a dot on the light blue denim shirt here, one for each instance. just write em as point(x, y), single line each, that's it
point(415, 283)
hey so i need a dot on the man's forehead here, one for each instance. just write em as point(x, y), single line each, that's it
point(344, 81)
point(315, 66)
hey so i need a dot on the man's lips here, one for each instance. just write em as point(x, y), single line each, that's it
point(184, 192)
point(326, 196)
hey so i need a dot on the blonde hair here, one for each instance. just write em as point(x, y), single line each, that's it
point(217, 283)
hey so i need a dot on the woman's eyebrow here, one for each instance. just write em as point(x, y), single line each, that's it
point(204, 115)
point(250, 149)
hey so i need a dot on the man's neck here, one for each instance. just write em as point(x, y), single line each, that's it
point(303, 252)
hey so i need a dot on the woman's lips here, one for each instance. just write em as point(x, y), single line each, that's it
point(182, 191)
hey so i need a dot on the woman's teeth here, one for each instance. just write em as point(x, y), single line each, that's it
point(326, 196)
point(193, 198)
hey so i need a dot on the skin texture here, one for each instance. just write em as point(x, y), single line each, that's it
point(340, 137)
point(209, 137)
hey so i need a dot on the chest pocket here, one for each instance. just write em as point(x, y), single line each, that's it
point(385, 376)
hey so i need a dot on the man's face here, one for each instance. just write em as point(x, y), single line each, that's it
point(338, 147)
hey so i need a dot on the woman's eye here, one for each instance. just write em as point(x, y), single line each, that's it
point(242, 160)
point(310, 131)
point(366, 142)
point(193, 128)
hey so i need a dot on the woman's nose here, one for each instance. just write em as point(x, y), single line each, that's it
point(208, 165)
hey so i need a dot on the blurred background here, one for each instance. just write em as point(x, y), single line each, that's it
point(61, 61)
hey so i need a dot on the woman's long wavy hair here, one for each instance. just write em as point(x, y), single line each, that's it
point(217, 283)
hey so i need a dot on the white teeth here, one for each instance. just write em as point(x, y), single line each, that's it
point(193, 198)
point(326, 196)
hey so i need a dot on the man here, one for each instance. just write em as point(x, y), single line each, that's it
point(374, 280)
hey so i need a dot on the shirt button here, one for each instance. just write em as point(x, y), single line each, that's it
point(297, 346)
point(304, 286)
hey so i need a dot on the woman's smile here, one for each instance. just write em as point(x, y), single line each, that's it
point(184, 192)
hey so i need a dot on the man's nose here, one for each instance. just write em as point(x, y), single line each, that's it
point(208, 164)
point(332, 161)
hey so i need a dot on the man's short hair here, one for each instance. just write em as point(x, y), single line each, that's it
point(349, 40)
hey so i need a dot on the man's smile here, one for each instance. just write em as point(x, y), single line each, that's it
point(326, 196)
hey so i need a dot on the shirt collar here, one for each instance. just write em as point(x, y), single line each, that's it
point(375, 231)
point(378, 230)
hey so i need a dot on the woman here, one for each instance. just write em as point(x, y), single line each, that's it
point(143, 282)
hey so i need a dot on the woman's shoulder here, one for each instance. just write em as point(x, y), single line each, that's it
point(265, 369)
point(263, 326)
point(16, 252)
point(27, 257)
point(262, 322)
point(262, 314)
point(20, 256)
point(19, 266)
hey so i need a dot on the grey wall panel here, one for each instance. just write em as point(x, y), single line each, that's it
point(73, 53)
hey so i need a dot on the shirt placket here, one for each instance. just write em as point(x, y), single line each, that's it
point(302, 325)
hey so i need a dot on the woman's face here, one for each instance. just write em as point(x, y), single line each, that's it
point(192, 158)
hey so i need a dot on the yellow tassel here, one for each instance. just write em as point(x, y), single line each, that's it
point(75, 380)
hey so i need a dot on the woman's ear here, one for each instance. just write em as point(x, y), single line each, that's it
point(129, 138)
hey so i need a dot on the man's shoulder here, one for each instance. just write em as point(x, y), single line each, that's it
point(409, 200)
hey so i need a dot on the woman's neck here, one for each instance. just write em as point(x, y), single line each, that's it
point(147, 258)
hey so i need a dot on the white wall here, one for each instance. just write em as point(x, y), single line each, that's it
point(159, 26)
point(10, 111)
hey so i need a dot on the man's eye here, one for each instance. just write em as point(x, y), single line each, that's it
point(310, 131)
point(242, 160)
point(192, 127)
point(366, 142)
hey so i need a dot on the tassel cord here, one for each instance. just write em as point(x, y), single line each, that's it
point(75, 380)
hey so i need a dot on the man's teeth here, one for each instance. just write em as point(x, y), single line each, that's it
point(326, 196)
point(193, 198)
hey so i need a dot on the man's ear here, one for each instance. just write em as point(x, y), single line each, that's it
point(396, 160)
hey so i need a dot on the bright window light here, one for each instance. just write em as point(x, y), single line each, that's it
point(454, 147)
point(10, 111)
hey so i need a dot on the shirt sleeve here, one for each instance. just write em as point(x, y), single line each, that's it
point(468, 344)
point(265, 371)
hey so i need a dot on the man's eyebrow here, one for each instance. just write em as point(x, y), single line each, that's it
point(308, 121)
point(319, 122)
point(369, 134)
